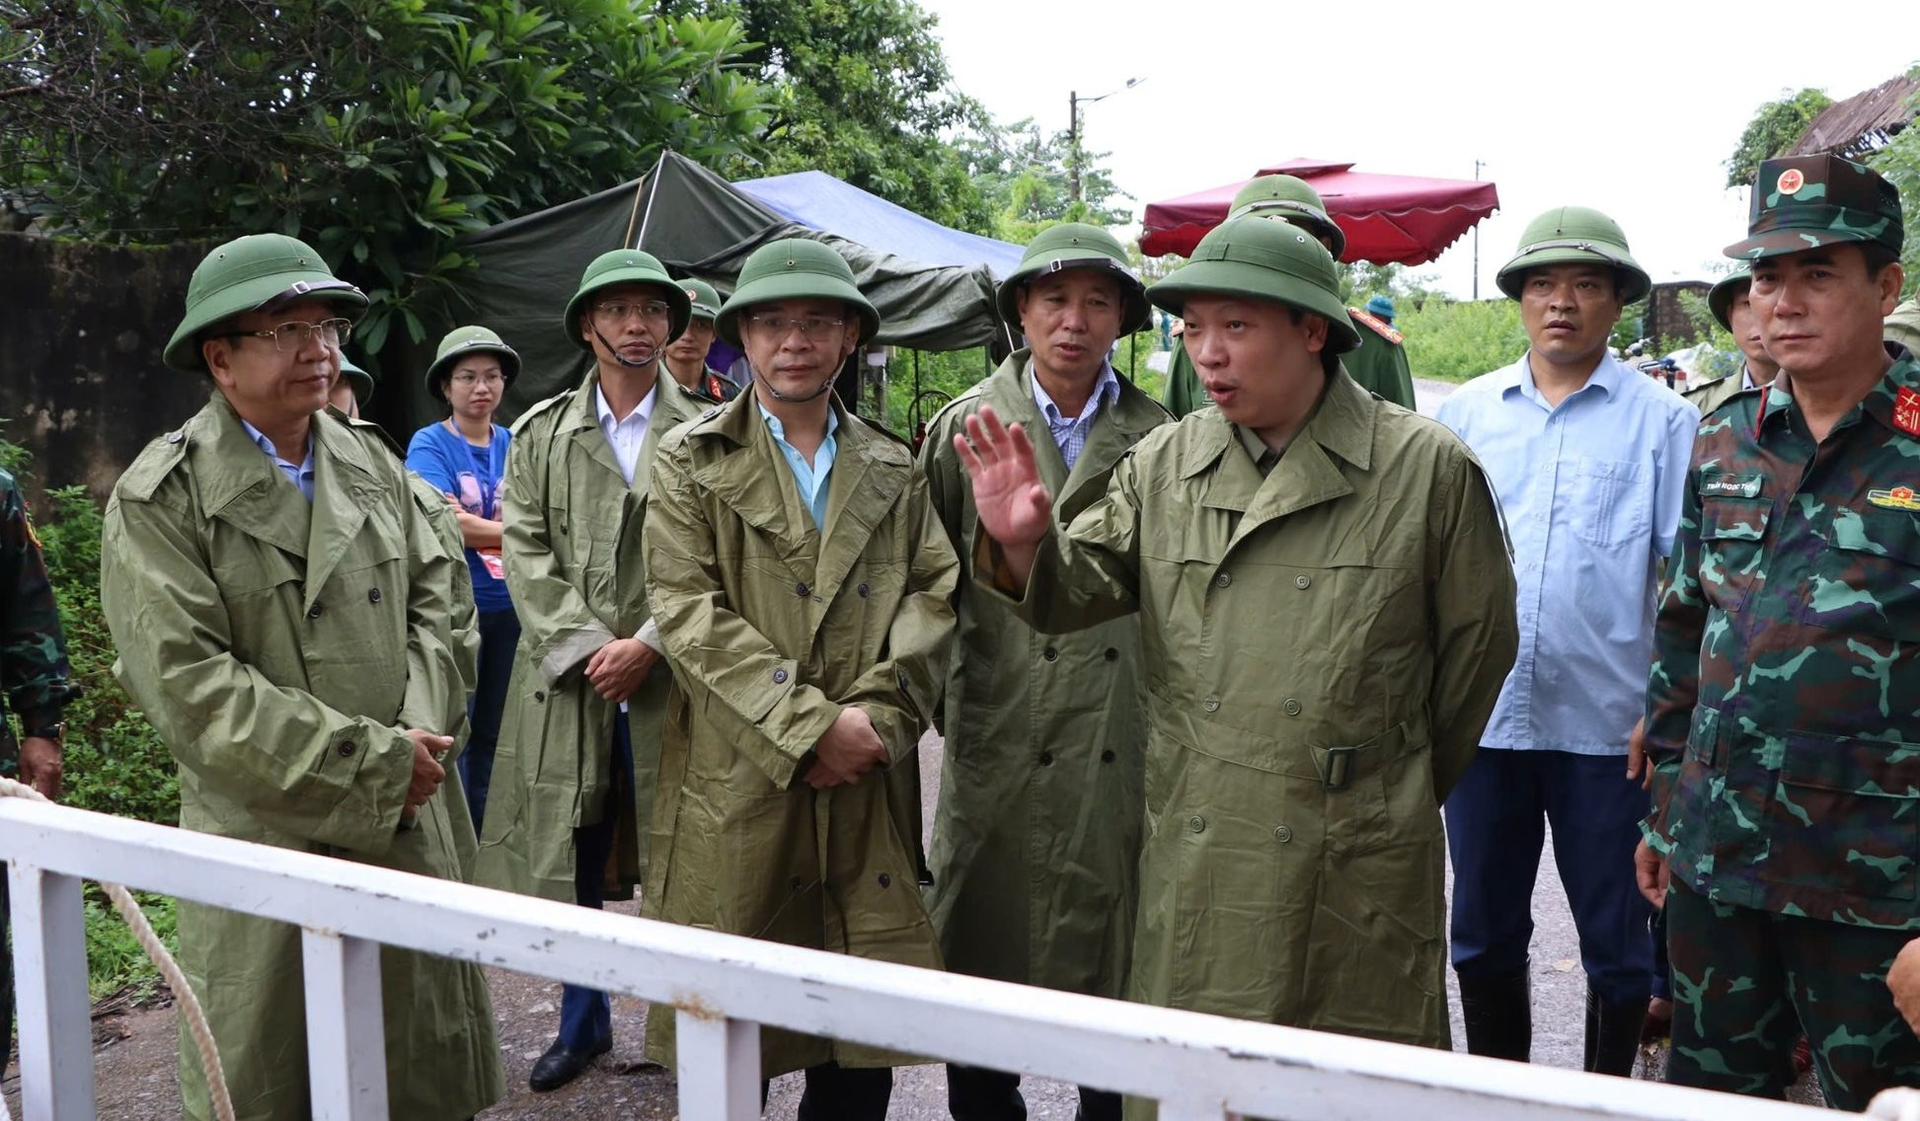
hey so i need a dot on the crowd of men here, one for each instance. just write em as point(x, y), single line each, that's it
point(1220, 695)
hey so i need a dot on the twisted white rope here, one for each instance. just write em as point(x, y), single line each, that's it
point(170, 969)
point(1898, 1104)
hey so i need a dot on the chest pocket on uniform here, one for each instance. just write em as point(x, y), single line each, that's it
point(1614, 502)
point(1732, 536)
point(1867, 579)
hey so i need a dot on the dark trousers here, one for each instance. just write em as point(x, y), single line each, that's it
point(586, 1017)
point(499, 634)
point(837, 1093)
point(1496, 821)
point(978, 1094)
point(1662, 972)
point(1744, 981)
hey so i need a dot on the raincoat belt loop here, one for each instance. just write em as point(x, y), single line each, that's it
point(1336, 767)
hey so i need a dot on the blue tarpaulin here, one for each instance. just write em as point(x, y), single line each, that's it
point(822, 202)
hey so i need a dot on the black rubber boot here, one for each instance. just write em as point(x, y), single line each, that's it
point(1613, 1035)
point(1498, 1011)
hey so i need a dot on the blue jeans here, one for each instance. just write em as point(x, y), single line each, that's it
point(586, 1017)
point(499, 634)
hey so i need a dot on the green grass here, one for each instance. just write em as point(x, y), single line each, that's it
point(115, 960)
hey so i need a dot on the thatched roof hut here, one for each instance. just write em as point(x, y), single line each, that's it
point(1862, 123)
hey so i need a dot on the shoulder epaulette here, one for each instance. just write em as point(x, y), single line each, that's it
point(540, 407)
point(152, 466)
point(1377, 325)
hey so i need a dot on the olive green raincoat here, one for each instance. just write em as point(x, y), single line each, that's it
point(1036, 841)
point(281, 650)
point(463, 638)
point(571, 543)
point(773, 627)
point(1321, 649)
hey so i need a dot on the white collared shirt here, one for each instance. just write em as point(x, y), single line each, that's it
point(625, 434)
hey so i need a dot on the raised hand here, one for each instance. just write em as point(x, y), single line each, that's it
point(1013, 503)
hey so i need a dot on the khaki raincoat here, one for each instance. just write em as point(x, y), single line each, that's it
point(773, 627)
point(1321, 649)
point(281, 649)
point(1036, 841)
point(571, 544)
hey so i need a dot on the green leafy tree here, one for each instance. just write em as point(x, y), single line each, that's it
point(378, 130)
point(1774, 128)
point(1024, 176)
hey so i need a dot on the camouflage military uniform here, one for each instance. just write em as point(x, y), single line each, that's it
point(33, 672)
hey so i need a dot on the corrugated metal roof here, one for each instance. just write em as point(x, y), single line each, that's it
point(1862, 122)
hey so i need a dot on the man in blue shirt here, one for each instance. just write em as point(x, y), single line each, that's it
point(1589, 459)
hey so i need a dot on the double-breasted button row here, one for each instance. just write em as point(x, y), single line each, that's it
point(314, 612)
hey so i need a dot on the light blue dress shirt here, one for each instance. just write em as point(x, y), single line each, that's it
point(811, 478)
point(1069, 432)
point(301, 474)
point(1591, 495)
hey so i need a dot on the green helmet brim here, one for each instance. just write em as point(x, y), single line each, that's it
point(509, 362)
point(1633, 280)
point(1316, 222)
point(1135, 313)
point(183, 349)
point(799, 285)
point(1274, 282)
point(671, 293)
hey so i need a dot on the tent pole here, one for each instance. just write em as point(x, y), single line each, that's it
point(646, 185)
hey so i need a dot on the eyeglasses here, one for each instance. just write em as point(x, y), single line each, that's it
point(468, 378)
point(815, 327)
point(294, 335)
point(618, 311)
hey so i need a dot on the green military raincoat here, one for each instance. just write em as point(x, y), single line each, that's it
point(281, 649)
point(1036, 842)
point(773, 628)
point(571, 544)
point(1321, 649)
point(1710, 395)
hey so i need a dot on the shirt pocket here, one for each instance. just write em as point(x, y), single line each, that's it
point(1846, 817)
point(1867, 579)
point(1612, 503)
point(1732, 536)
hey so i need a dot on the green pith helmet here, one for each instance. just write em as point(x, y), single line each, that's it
point(1720, 298)
point(1265, 260)
point(361, 380)
point(462, 341)
point(1290, 199)
point(249, 273)
point(1808, 201)
point(794, 268)
point(1077, 245)
point(706, 301)
point(1568, 235)
point(627, 266)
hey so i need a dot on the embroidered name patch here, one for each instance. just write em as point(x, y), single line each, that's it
point(1730, 486)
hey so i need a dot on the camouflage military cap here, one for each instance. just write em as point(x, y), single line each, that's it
point(1720, 298)
point(1805, 202)
point(1289, 198)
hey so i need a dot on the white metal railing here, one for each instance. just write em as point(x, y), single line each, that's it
point(1201, 1068)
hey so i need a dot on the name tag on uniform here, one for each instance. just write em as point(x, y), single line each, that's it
point(1731, 486)
point(496, 567)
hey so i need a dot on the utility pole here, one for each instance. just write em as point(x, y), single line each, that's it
point(1477, 165)
point(1073, 146)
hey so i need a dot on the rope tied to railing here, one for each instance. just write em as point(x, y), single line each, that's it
point(143, 933)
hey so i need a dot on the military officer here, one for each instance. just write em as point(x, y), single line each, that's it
point(1780, 707)
point(281, 607)
point(686, 356)
point(1286, 552)
point(579, 746)
point(802, 583)
point(1378, 364)
point(1037, 834)
point(1732, 307)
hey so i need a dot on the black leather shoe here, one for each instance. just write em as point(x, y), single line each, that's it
point(560, 1066)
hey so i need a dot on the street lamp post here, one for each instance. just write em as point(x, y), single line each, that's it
point(1074, 101)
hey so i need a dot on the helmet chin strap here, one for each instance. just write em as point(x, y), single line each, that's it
point(619, 357)
point(815, 395)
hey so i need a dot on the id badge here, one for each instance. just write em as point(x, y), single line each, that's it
point(496, 566)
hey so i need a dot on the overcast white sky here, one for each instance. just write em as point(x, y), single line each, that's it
point(1629, 106)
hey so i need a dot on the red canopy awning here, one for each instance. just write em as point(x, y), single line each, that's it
point(1388, 219)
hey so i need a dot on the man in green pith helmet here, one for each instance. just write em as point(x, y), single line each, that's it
point(1378, 364)
point(1732, 307)
point(1037, 836)
point(283, 612)
point(1285, 552)
point(686, 356)
point(573, 774)
point(803, 585)
point(1780, 709)
point(1902, 325)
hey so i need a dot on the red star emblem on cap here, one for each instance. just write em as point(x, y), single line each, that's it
point(1791, 180)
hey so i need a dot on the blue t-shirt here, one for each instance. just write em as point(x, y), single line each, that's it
point(475, 477)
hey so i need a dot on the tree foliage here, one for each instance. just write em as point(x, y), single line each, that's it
point(1023, 175)
point(1774, 127)
point(379, 130)
point(1899, 161)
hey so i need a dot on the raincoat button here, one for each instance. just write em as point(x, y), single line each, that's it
point(539, 696)
point(801, 590)
point(1292, 706)
point(347, 750)
point(1211, 704)
point(313, 612)
point(865, 591)
point(779, 677)
point(1223, 579)
point(886, 880)
point(1050, 654)
point(1112, 655)
point(1046, 759)
point(1282, 834)
point(1302, 580)
point(1106, 756)
point(373, 595)
point(794, 883)
point(1197, 823)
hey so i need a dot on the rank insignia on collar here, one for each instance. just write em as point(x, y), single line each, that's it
point(1906, 411)
point(1895, 498)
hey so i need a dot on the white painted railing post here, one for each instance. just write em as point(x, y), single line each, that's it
point(1187, 1109)
point(50, 976)
point(719, 1062)
point(346, 1034)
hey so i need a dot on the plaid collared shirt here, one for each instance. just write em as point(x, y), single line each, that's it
point(1070, 433)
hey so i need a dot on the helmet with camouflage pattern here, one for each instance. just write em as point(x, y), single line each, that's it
point(1262, 259)
point(1805, 202)
point(1077, 245)
point(1290, 199)
point(253, 273)
point(1568, 235)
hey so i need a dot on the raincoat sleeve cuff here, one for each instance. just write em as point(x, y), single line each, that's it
point(376, 769)
point(649, 635)
point(575, 648)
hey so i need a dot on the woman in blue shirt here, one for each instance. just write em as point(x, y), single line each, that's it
point(465, 456)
